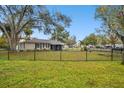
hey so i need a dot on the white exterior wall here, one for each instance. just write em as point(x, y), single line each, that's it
point(29, 46)
point(26, 46)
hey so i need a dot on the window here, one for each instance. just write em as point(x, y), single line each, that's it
point(43, 45)
point(37, 46)
point(40, 45)
point(46, 45)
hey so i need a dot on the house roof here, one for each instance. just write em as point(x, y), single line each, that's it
point(52, 42)
point(55, 42)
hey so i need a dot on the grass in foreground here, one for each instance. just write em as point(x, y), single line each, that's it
point(61, 74)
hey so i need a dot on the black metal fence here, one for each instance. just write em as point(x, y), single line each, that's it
point(94, 55)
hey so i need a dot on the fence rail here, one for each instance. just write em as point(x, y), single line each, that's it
point(94, 55)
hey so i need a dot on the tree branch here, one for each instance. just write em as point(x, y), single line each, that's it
point(12, 17)
point(23, 26)
point(22, 16)
point(5, 31)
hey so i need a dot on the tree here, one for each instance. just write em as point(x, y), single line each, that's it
point(81, 42)
point(28, 32)
point(15, 18)
point(71, 41)
point(101, 39)
point(106, 36)
point(91, 39)
point(3, 43)
point(113, 18)
point(60, 35)
point(112, 39)
point(60, 32)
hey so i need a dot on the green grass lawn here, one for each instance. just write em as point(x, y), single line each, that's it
point(61, 74)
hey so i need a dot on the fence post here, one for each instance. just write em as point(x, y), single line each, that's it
point(111, 54)
point(8, 55)
point(60, 55)
point(86, 55)
point(122, 55)
point(34, 54)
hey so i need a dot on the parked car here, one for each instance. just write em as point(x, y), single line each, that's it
point(108, 46)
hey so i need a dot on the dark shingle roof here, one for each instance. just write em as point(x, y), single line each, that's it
point(55, 42)
point(52, 42)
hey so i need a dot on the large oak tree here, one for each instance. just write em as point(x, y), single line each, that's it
point(112, 18)
point(18, 19)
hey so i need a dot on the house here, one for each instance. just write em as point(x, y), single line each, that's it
point(40, 44)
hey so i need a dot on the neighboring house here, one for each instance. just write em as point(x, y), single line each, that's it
point(66, 46)
point(118, 45)
point(40, 44)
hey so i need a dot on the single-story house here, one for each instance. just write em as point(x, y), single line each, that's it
point(40, 44)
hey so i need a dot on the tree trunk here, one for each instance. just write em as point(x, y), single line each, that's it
point(13, 42)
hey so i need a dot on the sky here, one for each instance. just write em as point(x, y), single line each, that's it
point(83, 21)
